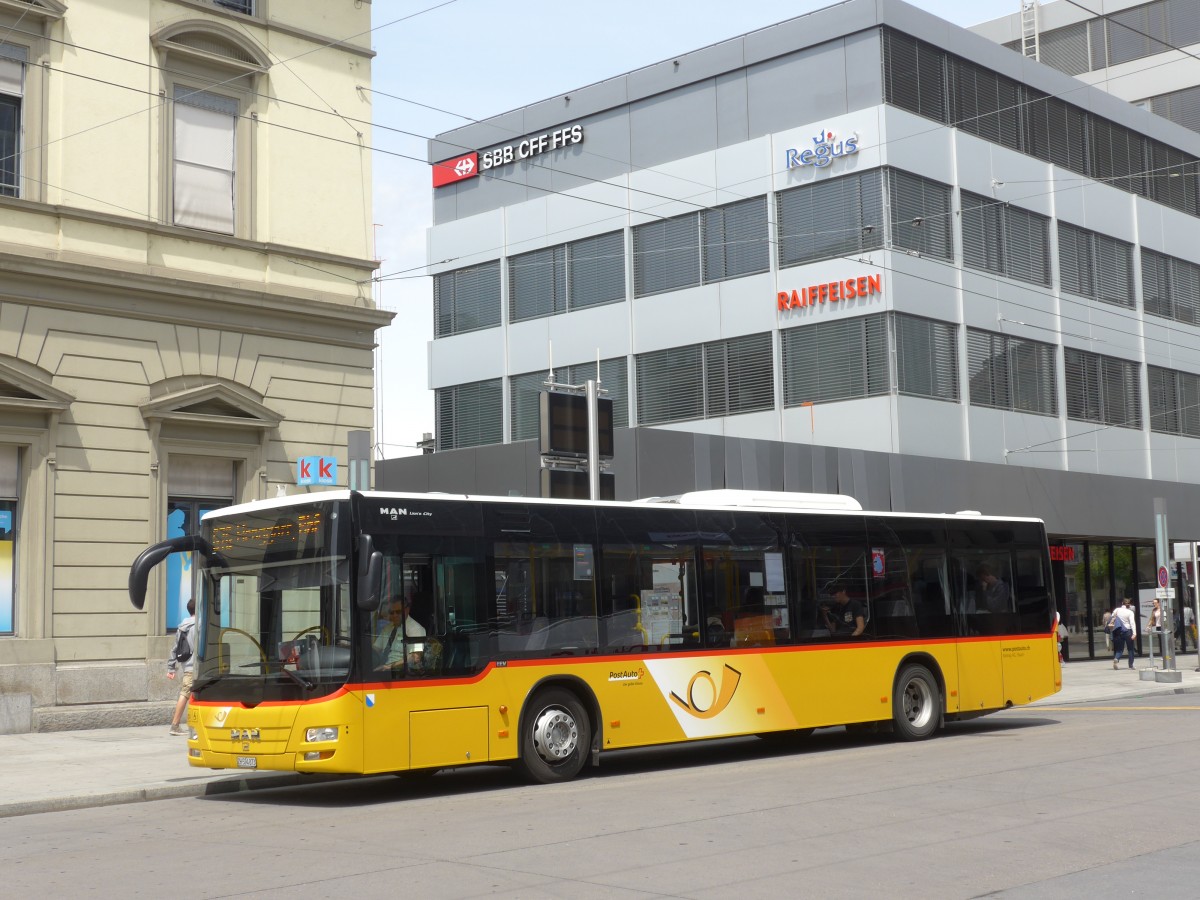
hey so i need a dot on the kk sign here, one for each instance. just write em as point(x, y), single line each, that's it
point(316, 470)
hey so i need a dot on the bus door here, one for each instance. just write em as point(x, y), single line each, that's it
point(981, 588)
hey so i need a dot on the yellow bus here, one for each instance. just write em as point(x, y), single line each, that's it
point(349, 632)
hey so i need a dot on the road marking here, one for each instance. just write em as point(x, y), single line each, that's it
point(1114, 708)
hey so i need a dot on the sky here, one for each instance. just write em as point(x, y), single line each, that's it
point(471, 59)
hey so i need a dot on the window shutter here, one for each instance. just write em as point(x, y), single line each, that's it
point(735, 240)
point(839, 217)
point(597, 270)
point(1033, 376)
point(443, 304)
point(839, 360)
point(1164, 400)
point(475, 297)
point(902, 86)
point(205, 130)
point(920, 214)
point(987, 369)
point(1075, 260)
point(1154, 284)
point(748, 374)
point(1066, 49)
point(1189, 403)
point(1082, 377)
point(537, 283)
point(670, 385)
point(1184, 284)
point(468, 415)
point(1026, 245)
point(523, 402)
point(1114, 270)
point(1120, 393)
point(926, 357)
point(982, 235)
point(666, 255)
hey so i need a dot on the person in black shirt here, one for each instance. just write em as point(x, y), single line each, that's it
point(845, 618)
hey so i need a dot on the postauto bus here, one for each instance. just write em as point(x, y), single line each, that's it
point(370, 632)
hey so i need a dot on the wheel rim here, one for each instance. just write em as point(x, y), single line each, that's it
point(918, 703)
point(555, 735)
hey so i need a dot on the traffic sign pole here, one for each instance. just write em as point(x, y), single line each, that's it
point(1162, 586)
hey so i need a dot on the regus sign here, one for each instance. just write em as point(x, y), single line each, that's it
point(825, 149)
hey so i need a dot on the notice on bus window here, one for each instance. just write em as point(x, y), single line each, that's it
point(583, 562)
point(774, 566)
point(662, 616)
point(878, 562)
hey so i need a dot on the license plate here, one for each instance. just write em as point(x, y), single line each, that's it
point(247, 762)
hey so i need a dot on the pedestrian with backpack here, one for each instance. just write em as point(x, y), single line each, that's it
point(182, 653)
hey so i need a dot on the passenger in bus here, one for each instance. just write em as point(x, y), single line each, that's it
point(994, 592)
point(844, 617)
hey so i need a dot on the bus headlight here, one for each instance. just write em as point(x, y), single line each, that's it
point(313, 735)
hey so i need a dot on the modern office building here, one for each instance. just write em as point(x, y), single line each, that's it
point(1145, 53)
point(861, 251)
point(185, 254)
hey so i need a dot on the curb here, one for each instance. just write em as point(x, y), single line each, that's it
point(237, 784)
point(1139, 695)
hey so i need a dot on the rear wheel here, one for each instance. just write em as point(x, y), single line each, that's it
point(556, 736)
point(916, 703)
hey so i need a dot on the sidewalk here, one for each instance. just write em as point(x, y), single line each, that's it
point(103, 767)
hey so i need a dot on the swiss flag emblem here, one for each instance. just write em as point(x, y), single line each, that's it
point(452, 170)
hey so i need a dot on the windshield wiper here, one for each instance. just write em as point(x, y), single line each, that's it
point(303, 682)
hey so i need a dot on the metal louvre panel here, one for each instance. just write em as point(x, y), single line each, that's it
point(1075, 260)
point(987, 369)
point(981, 233)
point(443, 304)
point(1121, 393)
point(1082, 371)
point(735, 240)
point(1137, 33)
point(537, 283)
point(1169, 178)
point(1034, 377)
point(469, 415)
point(745, 375)
point(838, 360)
point(839, 217)
point(920, 214)
point(1189, 403)
point(474, 299)
point(926, 357)
point(614, 378)
point(524, 414)
point(1183, 22)
point(1037, 134)
point(1184, 285)
point(666, 255)
point(597, 270)
point(972, 98)
point(1097, 44)
point(1065, 49)
point(1026, 245)
point(1182, 106)
point(1114, 270)
point(670, 385)
point(1164, 400)
point(902, 86)
point(1155, 299)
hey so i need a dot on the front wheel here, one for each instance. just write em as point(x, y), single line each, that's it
point(916, 704)
point(556, 736)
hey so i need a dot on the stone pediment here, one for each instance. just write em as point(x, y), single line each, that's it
point(21, 389)
point(214, 43)
point(35, 9)
point(212, 404)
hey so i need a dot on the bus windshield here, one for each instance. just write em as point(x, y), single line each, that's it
point(275, 621)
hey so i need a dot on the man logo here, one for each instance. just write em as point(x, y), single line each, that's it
point(721, 696)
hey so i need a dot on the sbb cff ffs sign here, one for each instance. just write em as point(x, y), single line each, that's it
point(459, 168)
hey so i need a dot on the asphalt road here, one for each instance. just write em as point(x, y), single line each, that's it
point(1099, 800)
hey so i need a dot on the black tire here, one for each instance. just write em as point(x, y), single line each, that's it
point(916, 704)
point(556, 736)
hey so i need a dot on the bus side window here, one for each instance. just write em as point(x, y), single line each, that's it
point(649, 597)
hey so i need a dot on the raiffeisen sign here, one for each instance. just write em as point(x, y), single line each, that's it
point(830, 292)
point(825, 149)
point(459, 168)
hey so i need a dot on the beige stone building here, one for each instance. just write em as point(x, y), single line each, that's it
point(185, 308)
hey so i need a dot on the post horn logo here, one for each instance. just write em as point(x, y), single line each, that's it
point(722, 695)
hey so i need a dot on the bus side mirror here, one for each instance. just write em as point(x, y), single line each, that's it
point(370, 575)
point(139, 572)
